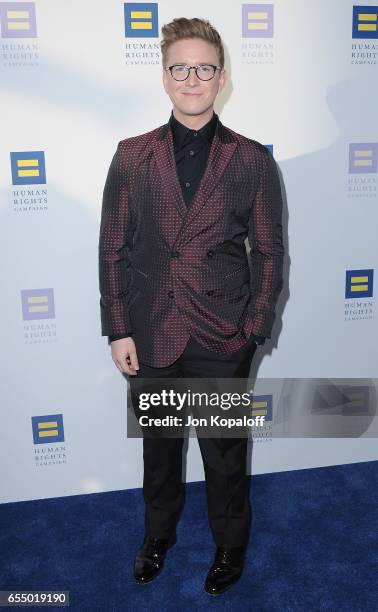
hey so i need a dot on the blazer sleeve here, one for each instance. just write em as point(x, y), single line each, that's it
point(116, 238)
point(267, 250)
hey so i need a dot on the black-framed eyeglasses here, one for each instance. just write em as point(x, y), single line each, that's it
point(205, 72)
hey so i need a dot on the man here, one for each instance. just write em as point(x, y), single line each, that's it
point(178, 297)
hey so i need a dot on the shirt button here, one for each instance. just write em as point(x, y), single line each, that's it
point(170, 293)
point(195, 133)
point(210, 253)
point(210, 292)
point(187, 184)
point(191, 152)
point(175, 254)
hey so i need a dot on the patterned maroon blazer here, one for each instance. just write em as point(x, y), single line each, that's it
point(167, 271)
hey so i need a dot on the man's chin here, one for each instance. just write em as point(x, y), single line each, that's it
point(193, 109)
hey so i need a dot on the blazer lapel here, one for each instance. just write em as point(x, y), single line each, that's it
point(165, 161)
point(222, 149)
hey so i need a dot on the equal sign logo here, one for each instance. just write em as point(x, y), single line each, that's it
point(37, 304)
point(48, 428)
point(359, 400)
point(28, 168)
point(262, 405)
point(363, 157)
point(257, 20)
point(141, 20)
point(18, 20)
point(365, 22)
point(359, 283)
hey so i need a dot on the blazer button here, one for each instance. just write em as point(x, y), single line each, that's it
point(210, 253)
point(210, 292)
point(170, 293)
point(175, 254)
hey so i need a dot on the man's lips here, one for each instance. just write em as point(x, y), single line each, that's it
point(191, 94)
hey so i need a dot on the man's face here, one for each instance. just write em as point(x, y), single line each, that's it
point(193, 96)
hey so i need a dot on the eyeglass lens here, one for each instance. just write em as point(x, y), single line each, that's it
point(204, 72)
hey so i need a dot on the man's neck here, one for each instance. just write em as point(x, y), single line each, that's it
point(194, 122)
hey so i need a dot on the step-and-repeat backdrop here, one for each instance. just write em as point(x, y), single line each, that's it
point(79, 76)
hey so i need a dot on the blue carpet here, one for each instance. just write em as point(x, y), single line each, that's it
point(313, 546)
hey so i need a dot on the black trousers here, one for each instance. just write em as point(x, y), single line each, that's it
point(224, 459)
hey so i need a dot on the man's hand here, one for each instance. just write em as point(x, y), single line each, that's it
point(124, 355)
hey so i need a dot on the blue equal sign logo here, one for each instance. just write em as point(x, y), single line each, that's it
point(363, 157)
point(141, 20)
point(262, 405)
point(257, 20)
point(28, 167)
point(37, 304)
point(18, 20)
point(48, 428)
point(359, 283)
point(359, 400)
point(365, 21)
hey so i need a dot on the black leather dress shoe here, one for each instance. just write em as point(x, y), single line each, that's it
point(150, 557)
point(225, 571)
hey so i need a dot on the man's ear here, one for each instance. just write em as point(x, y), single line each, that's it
point(164, 79)
point(222, 79)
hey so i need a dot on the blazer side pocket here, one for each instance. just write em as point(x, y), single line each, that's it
point(237, 278)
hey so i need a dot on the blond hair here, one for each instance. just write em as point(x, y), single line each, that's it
point(181, 28)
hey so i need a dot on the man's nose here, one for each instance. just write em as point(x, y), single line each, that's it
point(192, 78)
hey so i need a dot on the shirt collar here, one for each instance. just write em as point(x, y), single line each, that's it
point(181, 133)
